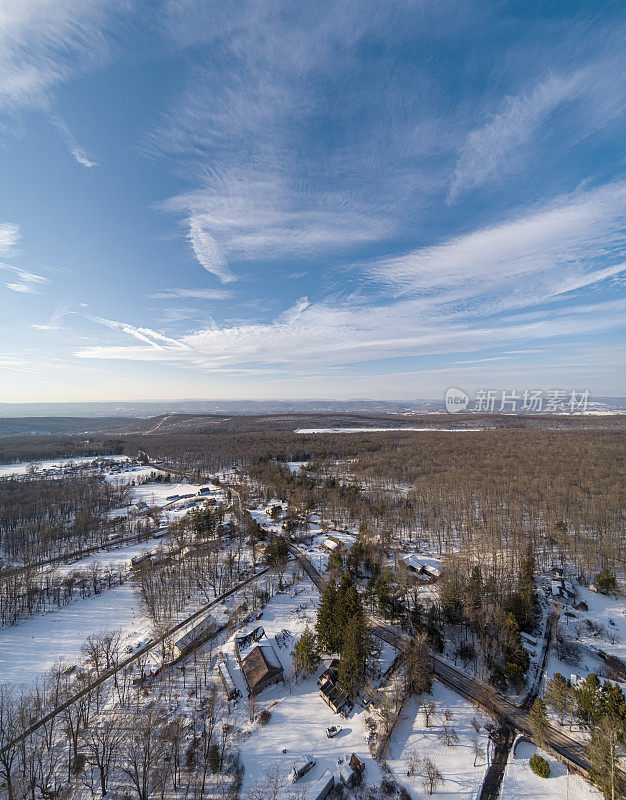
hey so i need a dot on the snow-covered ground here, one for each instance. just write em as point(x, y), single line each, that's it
point(132, 474)
point(462, 779)
point(521, 783)
point(32, 647)
point(22, 467)
point(111, 559)
point(299, 716)
point(384, 430)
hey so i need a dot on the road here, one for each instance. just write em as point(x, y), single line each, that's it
point(507, 714)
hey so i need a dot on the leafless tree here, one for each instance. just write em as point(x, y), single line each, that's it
point(101, 743)
point(144, 752)
point(433, 778)
point(429, 708)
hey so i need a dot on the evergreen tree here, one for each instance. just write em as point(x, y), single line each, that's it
point(603, 756)
point(326, 626)
point(305, 654)
point(588, 700)
point(353, 655)
point(278, 552)
point(606, 582)
point(382, 595)
point(558, 695)
point(418, 665)
point(613, 702)
point(335, 562)
point(538, 721)
point(347, 604)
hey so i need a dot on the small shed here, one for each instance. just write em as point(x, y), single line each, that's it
point(302, 765)
point(322, 787)
point(195, 636)
point(227, 680)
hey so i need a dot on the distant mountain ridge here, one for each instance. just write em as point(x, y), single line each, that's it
point(146, 409)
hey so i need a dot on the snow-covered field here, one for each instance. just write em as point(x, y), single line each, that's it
point(384, 430)
point(32, 647)
point(521, 783)
point(132, 474)
point(22, 467)
point(462, 779)
point(111, 559)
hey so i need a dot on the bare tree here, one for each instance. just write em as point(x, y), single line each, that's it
point(143, 755)
point(448, 735)
point(101, 744)
point(412, 761)
point(433, 778)
point(479, 752)
point(429, 708)
point(9, 731)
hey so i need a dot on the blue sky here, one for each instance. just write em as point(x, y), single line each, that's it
point(328, 200)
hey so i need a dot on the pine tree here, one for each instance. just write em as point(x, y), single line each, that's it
point(305, 654)
point(418, 665)
point(538, 721)
point(353, 655)
point(603, 756)
point(588, 700)
point(326, 626)
point(558, 695)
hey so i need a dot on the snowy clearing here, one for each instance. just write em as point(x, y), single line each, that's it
point(521, 783)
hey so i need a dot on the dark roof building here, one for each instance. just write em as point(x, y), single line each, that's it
point(259, 662)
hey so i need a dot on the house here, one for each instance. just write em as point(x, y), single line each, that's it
point(322, 787)
point(339, 539)
point(424, 567)
point(331, 673)
point(301, 766)
point(195, 636)
point(259, 661)
point(334, 696)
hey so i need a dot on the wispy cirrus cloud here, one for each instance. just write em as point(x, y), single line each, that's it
point(9, 237)
point(22, 281)
point(561, 241)
point(592, 93)
point(489, 287)
point(192, 294)
point(44, 43)
point(75, 150)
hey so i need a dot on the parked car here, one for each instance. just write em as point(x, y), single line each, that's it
point(333, 730)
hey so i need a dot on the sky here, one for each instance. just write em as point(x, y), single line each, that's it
point(310, 200)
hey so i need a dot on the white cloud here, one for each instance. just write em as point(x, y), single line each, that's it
point(76, 151)
point(496, 148)
point(9, 237)
point(557, 241)
point(26, 283)
point(192, 294)
point(593, 94)
point(489, 287)
point(207, 252)
point(44, 43)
